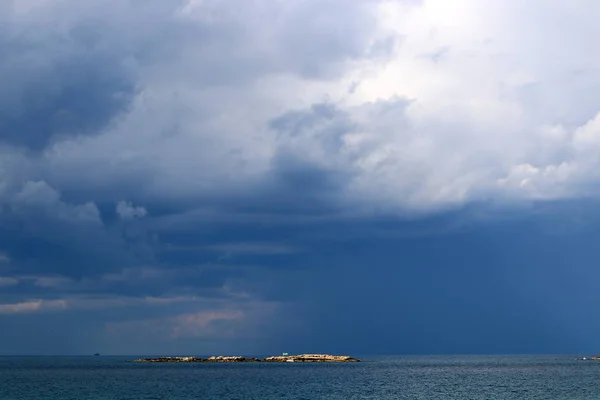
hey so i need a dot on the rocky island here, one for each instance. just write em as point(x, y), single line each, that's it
point(310, 358)
point(303, 358)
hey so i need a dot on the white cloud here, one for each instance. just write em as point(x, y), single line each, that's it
point(32, 306)
point(494, 112)
point(126, 210)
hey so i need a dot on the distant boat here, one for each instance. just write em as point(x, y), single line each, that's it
point(97, 354)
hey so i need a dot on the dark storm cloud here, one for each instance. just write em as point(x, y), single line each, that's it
point(59, 83)
point(75, 96)
point(43, 234)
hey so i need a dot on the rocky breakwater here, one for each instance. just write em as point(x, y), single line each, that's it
point(217, 359)
point(233, 359)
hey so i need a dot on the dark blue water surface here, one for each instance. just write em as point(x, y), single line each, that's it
point(443, 377)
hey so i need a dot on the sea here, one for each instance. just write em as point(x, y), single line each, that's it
point(380, 378)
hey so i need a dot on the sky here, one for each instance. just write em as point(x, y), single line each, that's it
point(198, 177)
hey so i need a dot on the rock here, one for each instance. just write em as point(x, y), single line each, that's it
point(311, 358)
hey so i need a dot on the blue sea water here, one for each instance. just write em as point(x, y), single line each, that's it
point(381, 378)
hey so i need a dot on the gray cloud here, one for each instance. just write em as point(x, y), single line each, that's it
point(208, 87)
